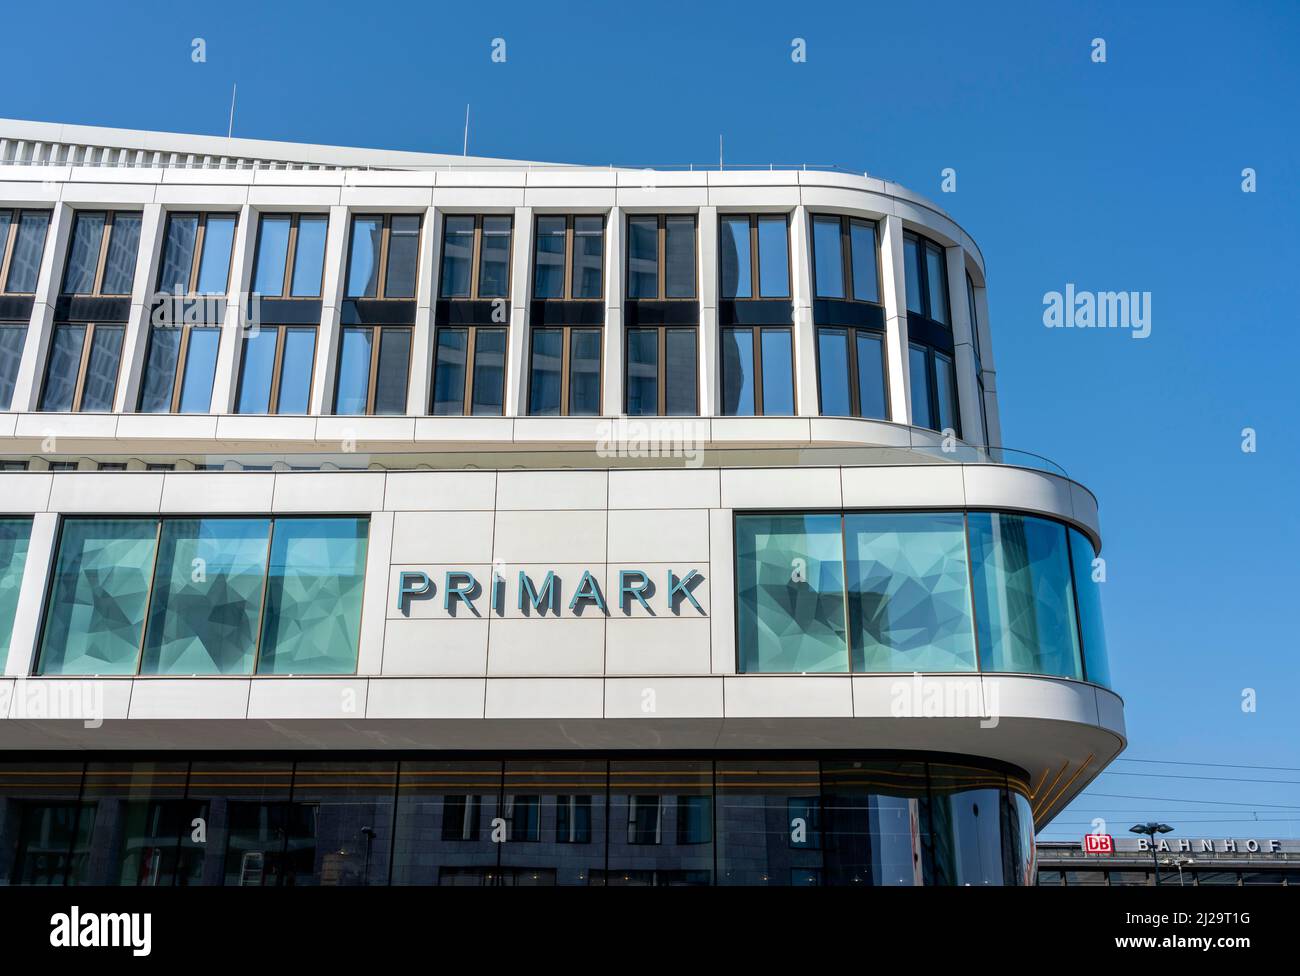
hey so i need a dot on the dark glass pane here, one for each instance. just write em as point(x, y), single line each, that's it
point(6, 219)
point(643, 257)
point(555, 823)
point(912, 268)
point(660, 823)
point(25, 264)
point(457, 253)
point(866, 276)
point(39, 807)
point(778, 373)
point(588, 256)
point(936, 273)
point(214, 266)
point(946, 389)
point(544, 375)
point(354, 371)
point(679, 257)
point(967, 814)
point(83, 254)
point(160, 370)
point(12, 339)
point(642, 372)
point(363, 262)
point(200, 369)
point(61, 371)
point(309, 257)
point(548, 262)
point(1087, 586)
point(403, 255)
point(123, 245)
point(257, 363)
point(494, 258)
point(769, 823)
point(489, 372)
point(101, 370)
point(295, 372)
point(137, 813)
point(341, 825)
point(773, 258)
point(871, 376)
point(584, 372)
point(682, 380)
point(390, 381)
point(877, 823)
point(272, 251)
point(733, 256)
point(833, 371)
point(738, 372)
point(919, 374)
point(178, 253)
point(829, 262)
point(444, 823)
point(449, 373)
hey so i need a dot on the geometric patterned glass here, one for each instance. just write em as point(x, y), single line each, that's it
point(790, 593)
point(207, 597)
point(14, 537)
point(313, 596)
point(909, 592)
point(1095, 662)
point(97, 602)
point(1024, 602)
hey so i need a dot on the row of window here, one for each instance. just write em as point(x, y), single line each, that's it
point(1117, 878)
point(194, 596)
point(515, 821)
point(904, 592)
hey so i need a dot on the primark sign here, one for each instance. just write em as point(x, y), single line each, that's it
point(530, 594)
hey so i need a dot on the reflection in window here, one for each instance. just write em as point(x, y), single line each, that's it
point(290, 259)
point(196, 253)
point(102, 255)
point(373, 369)
point(81, 373)
point(661, 257)
point(851, 371)
point(469, 372)
point(575, 243)
point(1087, 588)
point(661, 823)
point(757, 372)
point(22, 243)
point(564, 372)
point(383, 255)
point(769, 821)
point(179, 369)
point(275, 370)
point(12, 340)
point(925, 263)
point(668, 391)
point(878, 812)
point(15, 534)
point(439, 837)
point(933, 389)
point(755, 249)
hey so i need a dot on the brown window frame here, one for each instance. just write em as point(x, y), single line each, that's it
point(101, 262)
point(381, 275)
point(756, 336)
point(178, 376)
point(372, 387)
point(661, 258)
point(855, 380)
point(83, 369)
point(755, 283)
point(566, 368)
point(661, 370)
point(846, 256)
point(11, 244)
point(475, 259)
point(277, 368)
point(291, 252)
point(569, 238)
point(471, 349)
point(200, 242)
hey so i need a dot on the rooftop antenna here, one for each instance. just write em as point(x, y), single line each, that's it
point(465, 150)
point(231, 127)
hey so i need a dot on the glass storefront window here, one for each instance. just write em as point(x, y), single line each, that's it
point(1087, 587)
point(660, 823)
point(769, 822)
point(878, 814)
point(968, 824)
point(444, 820)
point(15, 534)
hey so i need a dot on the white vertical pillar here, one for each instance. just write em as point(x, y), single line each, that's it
point(225, 379)
point(990, 373)
point(327, 339)
point(417, 398)
point(521, 264)
point(136, 340)
point(27, 385)
point(963, 346)
point(805, 338)
point(710, 367)
point(612, 385)
point(894, 292)
point(31, 594)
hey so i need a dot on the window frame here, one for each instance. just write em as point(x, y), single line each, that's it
point(10, 245)
point(755, 279)
point(855, 392)
point(471, 350)
point(381, 271)
point(475, 259)
point(846, 257)
point(756, 336)
point(290, 253)
point(178, 374)
point(200, 243)
point(661, 370)
point(924, 246)
point(973, 312)
point(277, 369)
point(83, 368)
point(101, 261)
point(661, 257)
point(566, 367)
point(569, 240)
point(932, 381)
point(372, 385)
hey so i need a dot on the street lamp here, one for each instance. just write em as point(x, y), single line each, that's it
point(1151, 828)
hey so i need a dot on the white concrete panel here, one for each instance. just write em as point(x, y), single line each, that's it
point(436, 647)
point(1110, 712)
point(855, 431)
point(918, 486)
point(247, 428)
point(542, 490)
point(996, 486)
point(554, 537)
point(134, 492)
point(166, 427)
point(1084, 504)
point(722, 564)
point(440, 491)
point(361, 431)
point(657, 646)
point(443, 537)
point(659, 536)
point(204, 493)
point(425, 698)
point(374, 594)
point(324, 491)
point(368, 199)
point(25, 491)
point(665, 489)
point(547, 646)
point(470, 430)
point(190, 698)
point(771, 696)
point(300, 698)
point(799, 489)
point(663, 698)
point(544, 698)
point(72, 426)
point(1025, 696)
point(88, 702)
point(736, 431)
point(30, 605)
point(904, 696)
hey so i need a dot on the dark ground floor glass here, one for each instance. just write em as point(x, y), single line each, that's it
point(513, 820)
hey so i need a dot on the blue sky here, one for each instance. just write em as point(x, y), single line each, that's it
point(1117, 176)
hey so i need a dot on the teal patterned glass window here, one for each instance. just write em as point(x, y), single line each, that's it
point(207, 596)
point(790, 593)
point(1095, 662)
point(909, 592)
point(97, 604)
point(15, 534)
point(313, 596)
point(1024, 603)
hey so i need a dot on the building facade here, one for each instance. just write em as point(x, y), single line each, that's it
point(381, 517)
point(1217, 861)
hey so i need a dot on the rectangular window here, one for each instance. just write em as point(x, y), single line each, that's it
point(757, 372)
point(927, 279)
point(919, 374)
point(475, 257)
point(81, 373)
point(102, 255)
point(660, 257)
point(383, 255)
point(755, 248)
point(374, 364)
point(845, 259)
point(12, 340)
point(22, 244)
point(564, 372)
point(469, 372)
point(828, 257)
point(15, 535)
point(290, 260)
point(979, 366)
point(179, 369)
point(126, 599)
point(196, 253)
point(670, 391)
point(936, 279)
point(275, 370)
point(934, 389)
point(568, 257)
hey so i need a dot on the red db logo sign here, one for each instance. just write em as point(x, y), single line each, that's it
point(1098, 844)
